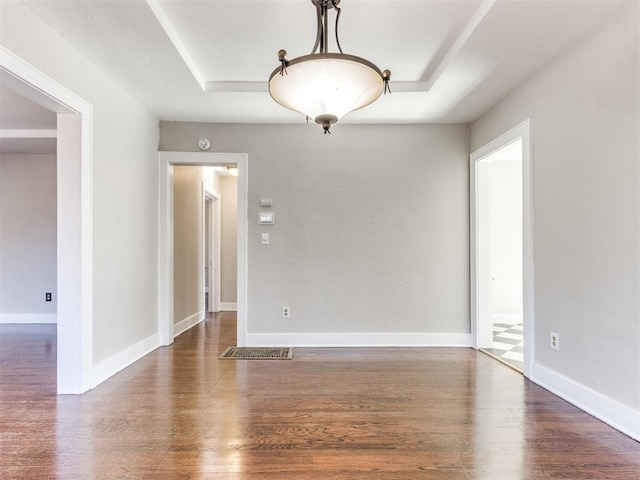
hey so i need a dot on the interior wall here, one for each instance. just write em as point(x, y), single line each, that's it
point(187, 238)
point(370, 235)
point(27, 238)
point(124, 189)
point(584, 107)
point(187, 241)
point(506, 241)
point(229, 243)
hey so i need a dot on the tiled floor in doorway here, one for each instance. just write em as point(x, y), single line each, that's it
point(508, 344)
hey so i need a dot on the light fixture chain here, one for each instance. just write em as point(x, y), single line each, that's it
point(319, 34)
point(339, 11)
point(325, 27)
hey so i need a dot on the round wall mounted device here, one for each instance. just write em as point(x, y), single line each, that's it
point(204, 144)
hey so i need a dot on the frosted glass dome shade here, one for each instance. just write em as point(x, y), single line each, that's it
point(325, 85)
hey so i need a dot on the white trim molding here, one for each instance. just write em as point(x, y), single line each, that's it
point(28, 318)
point(359, 339)
point(521, 131)
point(108, 367)
point(186, 323)
point(610, 411)
point(228, 306)
point(28, 133)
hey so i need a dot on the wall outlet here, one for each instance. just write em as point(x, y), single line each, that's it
point(47, 297)
point(555, 341)
point(286, 312)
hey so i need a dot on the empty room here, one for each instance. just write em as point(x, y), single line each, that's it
point(414, 226)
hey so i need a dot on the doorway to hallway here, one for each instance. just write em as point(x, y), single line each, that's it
point(500, 206)
point(501, 271)
point(211, 254)
point(167, 262)
point(204, 250)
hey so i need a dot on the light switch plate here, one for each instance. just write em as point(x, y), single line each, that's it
point(266, 218)
point(264, 239)
point(266, 202)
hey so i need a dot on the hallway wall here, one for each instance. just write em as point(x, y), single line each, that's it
point(229, 243)
point(506, 241)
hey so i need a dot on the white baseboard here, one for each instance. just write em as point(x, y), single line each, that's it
point(228, 306)
point(28, 318)
point(359, 339)
point(506, 318)
point(610, 411)
point(121, 360)
point(185, 324)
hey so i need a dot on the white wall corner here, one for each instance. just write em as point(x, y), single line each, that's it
point(28, 318)
point(121, 360)
point(359, 339)
point(186, 323)
point(610, 411)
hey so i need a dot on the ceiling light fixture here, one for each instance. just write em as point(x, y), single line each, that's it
point(326, 86)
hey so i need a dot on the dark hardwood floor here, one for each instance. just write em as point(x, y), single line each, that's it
point(339, 413)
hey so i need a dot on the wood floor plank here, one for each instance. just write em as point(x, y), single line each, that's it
point(334, 413)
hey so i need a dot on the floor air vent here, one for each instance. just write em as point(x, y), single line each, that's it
point(257, 353)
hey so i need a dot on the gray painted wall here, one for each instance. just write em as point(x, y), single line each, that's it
point(229, 240)
point(372, 224)
point(27, 237)
point(584, 109)
point(187, 241)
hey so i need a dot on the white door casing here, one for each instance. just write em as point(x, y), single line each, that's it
point(165, 235)
point(479, 286)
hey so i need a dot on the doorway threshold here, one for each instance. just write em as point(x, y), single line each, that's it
point(501, 360)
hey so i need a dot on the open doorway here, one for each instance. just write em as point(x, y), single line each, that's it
point(211, 241)
point(204, 243)
point(220, 241)
point(499, 194)
point(74, 246)
point(501, 266)
point(170, 162)
point(28, 237)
